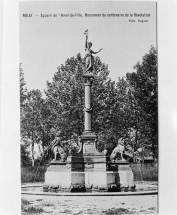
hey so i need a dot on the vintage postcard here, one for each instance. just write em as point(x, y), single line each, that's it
point(88, 108)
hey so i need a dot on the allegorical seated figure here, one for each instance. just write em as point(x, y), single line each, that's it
point(75, 147)
point(117, 153)
point(89, 60)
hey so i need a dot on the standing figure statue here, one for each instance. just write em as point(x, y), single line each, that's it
point(118, 150)
point(89, 60)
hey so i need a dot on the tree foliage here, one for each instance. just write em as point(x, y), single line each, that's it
point(144, 92)
point(25, 155)
point(127, 108)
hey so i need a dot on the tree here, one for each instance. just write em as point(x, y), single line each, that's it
point(23, 89)
point(33, 116)
point(143, 83)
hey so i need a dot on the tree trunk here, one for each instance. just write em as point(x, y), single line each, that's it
point(32, 150)
point(43, 147)
point(32, 153)
point(142, 154)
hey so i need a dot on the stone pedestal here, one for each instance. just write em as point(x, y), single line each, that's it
point(95, 164)
point(64, 179)
point(66, 174)
point(90, 170)
point(125, 174)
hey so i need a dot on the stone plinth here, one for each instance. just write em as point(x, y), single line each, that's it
point(94, 163)
point(65, 179)
point(89, 144)
point(75, 162)
point(125, 174)
point(66, 174)
point(124, 171)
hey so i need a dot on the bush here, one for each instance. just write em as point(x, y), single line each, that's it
point(117, 211)
point(28, 174)
point(149, 172)
point(25, 158)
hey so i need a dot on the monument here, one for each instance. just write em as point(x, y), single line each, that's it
point(87, 168)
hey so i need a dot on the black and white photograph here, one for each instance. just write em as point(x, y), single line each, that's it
point(88, 108)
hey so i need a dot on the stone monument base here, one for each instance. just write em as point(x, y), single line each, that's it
point(75, 176)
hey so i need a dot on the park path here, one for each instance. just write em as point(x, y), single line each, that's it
point(103, 205)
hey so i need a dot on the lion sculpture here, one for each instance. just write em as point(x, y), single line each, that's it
point(118, 150)
point(58, 149)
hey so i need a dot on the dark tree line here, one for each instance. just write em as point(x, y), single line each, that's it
point(127, 108)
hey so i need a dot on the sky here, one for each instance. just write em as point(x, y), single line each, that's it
point(47, 42)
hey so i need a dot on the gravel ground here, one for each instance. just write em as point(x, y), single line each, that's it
point(75, 205)
point(90, 205)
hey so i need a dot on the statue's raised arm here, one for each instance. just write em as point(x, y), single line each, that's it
point(86, 42)
point(86, 33)
point(96, 52)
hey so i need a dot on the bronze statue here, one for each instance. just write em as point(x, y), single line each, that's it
point(89, 60)
point(118, 150)
point(58, 148)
